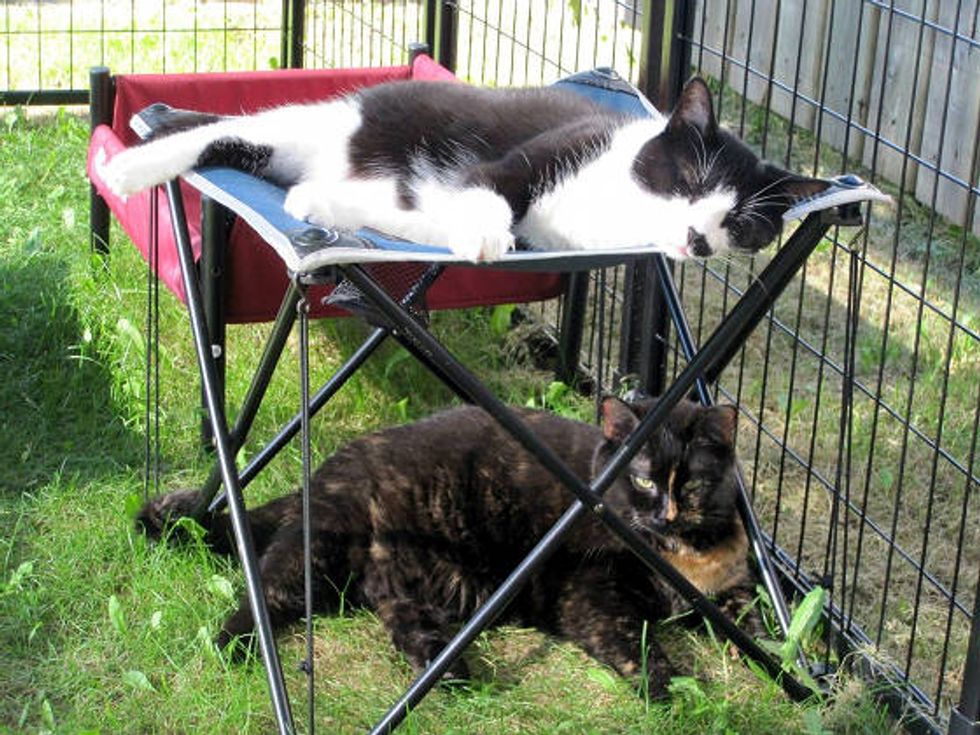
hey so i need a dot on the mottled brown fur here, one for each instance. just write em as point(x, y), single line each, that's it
point(422, 522)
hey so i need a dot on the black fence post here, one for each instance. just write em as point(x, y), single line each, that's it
point(965, 717)
point(430, 25)
point(666, 27)
point(293, 33)
point(644, 331)
point(100, 113)
point(446, 26)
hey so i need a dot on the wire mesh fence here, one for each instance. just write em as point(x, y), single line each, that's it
point(349, 33)
point(48, 46)
point(882, 509)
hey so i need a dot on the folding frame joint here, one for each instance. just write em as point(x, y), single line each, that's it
point(847, 215)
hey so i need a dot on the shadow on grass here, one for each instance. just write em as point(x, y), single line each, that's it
point(55, 396)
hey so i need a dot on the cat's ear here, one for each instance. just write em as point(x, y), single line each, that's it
point(618, 419)
point(803, 187)
point(694, 109)
point(717, 425)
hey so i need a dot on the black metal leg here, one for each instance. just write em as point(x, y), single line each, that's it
point(256, 392)
point(243, 533)
point(215, 224)
point(100, 113)
point(763, 293)
point(98, 222)
point(319, 399)
point(572, 325)
point(303, 310)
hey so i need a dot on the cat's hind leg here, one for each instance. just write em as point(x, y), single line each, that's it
point(407, 587)
point(281, 143)
point(604, 613)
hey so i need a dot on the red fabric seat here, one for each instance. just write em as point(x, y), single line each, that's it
point(255, 280)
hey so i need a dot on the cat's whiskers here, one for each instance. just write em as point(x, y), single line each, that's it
point(637, 524)
point(752, 214)
point(771, 184)
point(701, 156)
point(768, 199)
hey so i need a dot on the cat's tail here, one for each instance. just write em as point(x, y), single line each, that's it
point(274, 143)
point(161, 518)
point(167, 157)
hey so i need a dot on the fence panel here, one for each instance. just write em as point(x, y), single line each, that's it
point(883, 511)
point(47, 47)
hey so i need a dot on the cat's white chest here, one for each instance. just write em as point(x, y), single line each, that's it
point(600, 205)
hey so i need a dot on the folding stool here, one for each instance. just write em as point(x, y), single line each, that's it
point(314, 255)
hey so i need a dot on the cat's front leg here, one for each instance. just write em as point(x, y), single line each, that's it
point(473, 222)
point(477, 224)
point(741, 605)
point(310, 201)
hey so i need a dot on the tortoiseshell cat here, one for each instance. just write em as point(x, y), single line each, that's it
point(421, 523)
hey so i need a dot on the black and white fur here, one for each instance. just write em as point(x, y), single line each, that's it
point(471, 169)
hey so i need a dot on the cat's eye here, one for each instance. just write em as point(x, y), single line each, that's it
point(693, 486)
point(642, 483)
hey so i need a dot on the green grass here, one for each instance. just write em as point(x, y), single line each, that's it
point(101, 632)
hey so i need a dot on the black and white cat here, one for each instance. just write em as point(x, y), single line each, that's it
point(471, 169)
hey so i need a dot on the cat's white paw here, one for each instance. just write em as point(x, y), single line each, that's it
point(478, 225)
point(307, 201)
point(480, 246)
point(123, 173)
